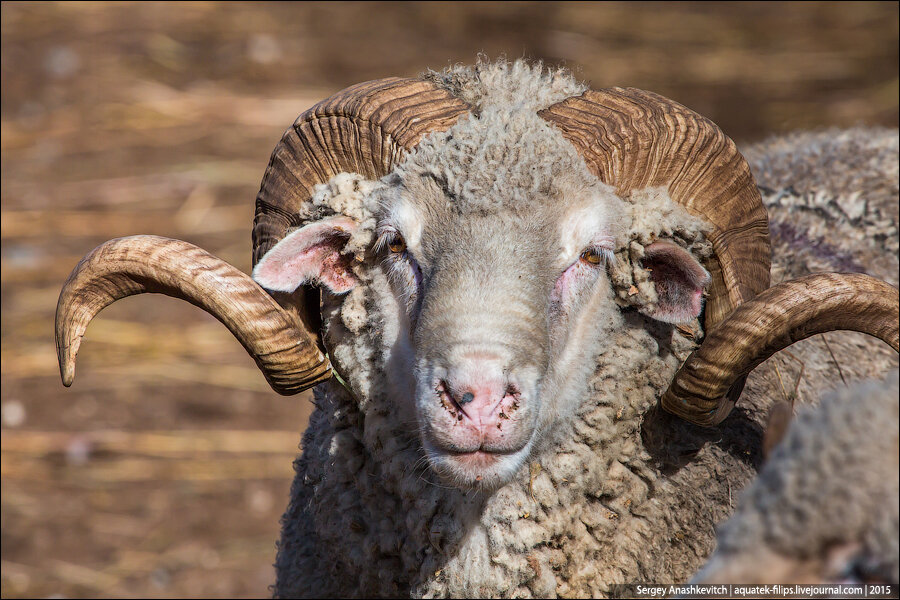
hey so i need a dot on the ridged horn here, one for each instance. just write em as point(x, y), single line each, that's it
point(632, 139)
point(363, 129)
point(285, 352)
point(776, 318)
point(366, 129)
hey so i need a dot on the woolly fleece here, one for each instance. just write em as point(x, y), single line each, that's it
point(623, 493)
point(832, 482)
point(832, 200)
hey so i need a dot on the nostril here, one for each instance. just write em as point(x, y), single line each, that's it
point(479, 400)
point(449, 403)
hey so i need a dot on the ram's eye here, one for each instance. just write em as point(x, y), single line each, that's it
point(396, 243)
point(592, 256)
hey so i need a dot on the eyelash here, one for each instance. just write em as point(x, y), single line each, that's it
point(605, 256)
point(386, 238)
point(400, 266)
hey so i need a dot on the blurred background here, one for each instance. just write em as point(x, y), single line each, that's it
point(164, 470)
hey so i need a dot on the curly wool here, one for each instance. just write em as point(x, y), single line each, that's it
point(653, 215)
point(832, 200)
point(856, 163)
point(820, 221)
point(622, 493)
point(832, 481)
point(480, 158)
point(366, 518)
point(512, 86)
point(364, 497)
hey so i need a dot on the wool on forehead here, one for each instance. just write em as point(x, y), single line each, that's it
point(496, 157)
point(519, 85)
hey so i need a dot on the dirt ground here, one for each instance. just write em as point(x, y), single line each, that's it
point(163, 471)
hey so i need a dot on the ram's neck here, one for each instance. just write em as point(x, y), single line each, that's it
point(602, 504)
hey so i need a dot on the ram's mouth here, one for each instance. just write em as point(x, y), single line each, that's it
point(479, 469)
point(478, 459)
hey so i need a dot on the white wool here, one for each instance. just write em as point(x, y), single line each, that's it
point(346, 194)
point(621, 493)
point(832, 200)
point(517, 86)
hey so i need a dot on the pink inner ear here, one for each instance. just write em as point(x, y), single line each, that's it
point(679, 281)
point(312, 253)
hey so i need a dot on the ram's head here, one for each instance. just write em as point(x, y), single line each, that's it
point(474, 256)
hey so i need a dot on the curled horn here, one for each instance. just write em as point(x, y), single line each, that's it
point(778, 317)
point(633, 139)
point(284, 351)
point(364, 129)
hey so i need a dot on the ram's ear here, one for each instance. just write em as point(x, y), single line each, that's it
point(310, 254)
point(679, 281)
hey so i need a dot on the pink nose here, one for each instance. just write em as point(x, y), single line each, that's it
point(477, 403)
point(477, 388)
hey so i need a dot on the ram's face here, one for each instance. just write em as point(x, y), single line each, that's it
point(492, 245)
point(496, 298)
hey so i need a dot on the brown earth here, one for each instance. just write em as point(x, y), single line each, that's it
point(164, 469)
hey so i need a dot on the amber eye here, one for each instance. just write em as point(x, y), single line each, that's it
point(591, 256)
point(396, 244)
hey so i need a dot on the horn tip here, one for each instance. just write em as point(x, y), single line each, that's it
point(684, 406)
point(66, 355)
point(67, 372)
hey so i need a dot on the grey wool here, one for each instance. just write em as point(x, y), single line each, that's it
point(824, 506)
point(616, 491)
point(832, 200)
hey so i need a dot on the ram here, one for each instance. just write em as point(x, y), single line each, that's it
point(824, 506)
point(513, 273)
